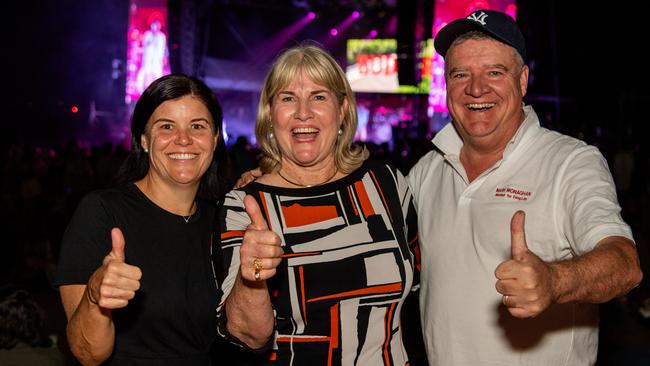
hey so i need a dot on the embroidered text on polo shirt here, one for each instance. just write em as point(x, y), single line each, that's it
point(513, 193)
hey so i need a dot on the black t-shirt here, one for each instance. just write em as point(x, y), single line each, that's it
point(171, 320)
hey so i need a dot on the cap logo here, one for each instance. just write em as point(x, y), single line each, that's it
point(479, 18)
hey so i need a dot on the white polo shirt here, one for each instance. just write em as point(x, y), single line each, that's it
point(568, 194)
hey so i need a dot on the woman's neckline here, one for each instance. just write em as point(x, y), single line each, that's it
point(333, 185)
point(184, 219)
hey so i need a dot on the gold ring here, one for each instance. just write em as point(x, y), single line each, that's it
point(505, 300)
point(257, 266)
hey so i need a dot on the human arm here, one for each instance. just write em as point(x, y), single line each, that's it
point(411, 314)
point(610, 270)
point(531, 285)
point(248, 308)
point(88, 308)
point(90, 329)
point(403, 196)
point(248, 177)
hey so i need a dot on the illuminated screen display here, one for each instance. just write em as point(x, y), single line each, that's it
point(445, 12)
point(372, 66)
point(147, 54)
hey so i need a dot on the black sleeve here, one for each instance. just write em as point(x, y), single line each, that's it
point(86, 241)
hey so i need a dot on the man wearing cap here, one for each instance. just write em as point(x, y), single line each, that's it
point(493, 290)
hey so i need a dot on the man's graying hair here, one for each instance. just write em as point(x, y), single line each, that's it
point(478, 35)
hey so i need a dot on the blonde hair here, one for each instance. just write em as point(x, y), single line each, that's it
point(323, 70)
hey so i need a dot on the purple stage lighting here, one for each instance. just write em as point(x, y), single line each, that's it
point(373, 33)
point(346, 23)
point(391, 27)
point(340, 28)
point(269, 47)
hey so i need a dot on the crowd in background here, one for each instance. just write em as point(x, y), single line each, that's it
point(42, 185)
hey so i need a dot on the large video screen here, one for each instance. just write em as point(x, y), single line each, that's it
point(147, 53)
point(445, 12)
point(373, 67)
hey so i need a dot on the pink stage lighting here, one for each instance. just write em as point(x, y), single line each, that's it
point(445, 12)
point(334, 32)
point(373, 33)
point(311, 15)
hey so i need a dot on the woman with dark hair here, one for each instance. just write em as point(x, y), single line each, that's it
point(135, 271)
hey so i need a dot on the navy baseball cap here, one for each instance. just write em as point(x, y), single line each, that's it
point(495, 24)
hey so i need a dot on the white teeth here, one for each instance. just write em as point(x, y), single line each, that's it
point(480, 105)
point(182, 156)
point(305, 130)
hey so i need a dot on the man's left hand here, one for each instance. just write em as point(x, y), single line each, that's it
point(525, 281)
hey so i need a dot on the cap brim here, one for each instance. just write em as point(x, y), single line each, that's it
point(448, 34)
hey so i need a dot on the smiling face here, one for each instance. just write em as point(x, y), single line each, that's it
point(485, 87)
point(306, 118)
point(181, 140)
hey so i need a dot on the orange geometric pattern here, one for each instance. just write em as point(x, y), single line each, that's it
point(350, 258)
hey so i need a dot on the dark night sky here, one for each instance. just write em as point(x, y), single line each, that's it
point(593, 55)
point(61, 54)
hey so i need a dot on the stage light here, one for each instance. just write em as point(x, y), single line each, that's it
point(355, 14)
point(511, 10)
point(391, 27)
point(334, 32)
point(373, 33)
point(74, 109)
point(270, 47)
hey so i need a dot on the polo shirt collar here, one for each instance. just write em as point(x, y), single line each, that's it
point(448, 140)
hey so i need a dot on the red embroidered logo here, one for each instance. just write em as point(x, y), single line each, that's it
point(513, 193)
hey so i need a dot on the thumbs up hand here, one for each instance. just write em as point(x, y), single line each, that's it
point(260, 252)
point(525, 281)
point(115, 282)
